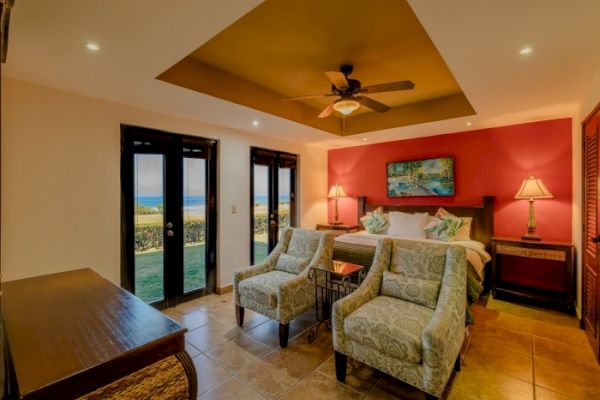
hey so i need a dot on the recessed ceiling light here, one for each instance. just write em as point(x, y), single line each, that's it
point(92, 46)
point(469, 123)
point(255, 123)
point(365, 139)
point(525, 51)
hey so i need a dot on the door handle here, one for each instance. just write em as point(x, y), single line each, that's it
point(169, 225)
point(170, 233)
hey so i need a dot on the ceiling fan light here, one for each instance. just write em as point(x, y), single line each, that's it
point(346, 106)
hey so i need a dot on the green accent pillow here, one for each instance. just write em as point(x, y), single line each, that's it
point(291, 264)
point(444, 227)
point(414, 290)
point(376, 221)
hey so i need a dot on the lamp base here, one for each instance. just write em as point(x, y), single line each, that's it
point(336, 223)
point(531, 236)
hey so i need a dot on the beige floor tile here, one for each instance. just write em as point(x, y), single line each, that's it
point(231, 389)
point(483, 385)
point(566, 379)
point(577, 356)
point(173, 314)
point(390, 388)
point(497, 318)
point(191, 350)
point(267, 379)
point(213, 333)
point(294, 363)
point(498, 357)
point(560, 333)
point(545, 394)
point(496, 336)
point(194, 319)
point(555, 317)
point(268, 332)
point(509, 308)
point(209, 373)
point(317, 386)
point(359, 376)
point(238, 352)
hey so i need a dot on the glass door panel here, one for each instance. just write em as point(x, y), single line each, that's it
point(149, 226)
point(284, 197)
point(261, 206)
point(194, 224)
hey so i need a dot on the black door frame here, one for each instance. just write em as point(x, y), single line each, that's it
point(175, 147)
point(274, 160)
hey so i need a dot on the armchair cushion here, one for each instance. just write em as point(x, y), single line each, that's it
point(291, 264)
point(391, 326)
point(262, 289)
point(304, 243)
point(414, 290)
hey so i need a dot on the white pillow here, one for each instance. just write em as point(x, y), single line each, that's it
point(408, 225)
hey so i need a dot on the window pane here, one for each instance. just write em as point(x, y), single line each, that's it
point(285, 194)
point(148, 226)
point(194, 224)
point(261, 212)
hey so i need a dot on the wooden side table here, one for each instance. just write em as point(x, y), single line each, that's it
point(331, 285)
point(337, 229)
point(538, 271)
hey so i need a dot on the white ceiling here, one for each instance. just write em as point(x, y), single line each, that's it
point(480, 41)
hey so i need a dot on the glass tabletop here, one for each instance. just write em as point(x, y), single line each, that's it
point(342, 268)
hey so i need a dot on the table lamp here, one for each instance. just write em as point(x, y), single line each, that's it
point(532, 189)
point(335, 193)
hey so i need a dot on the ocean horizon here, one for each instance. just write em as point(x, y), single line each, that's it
point(190, 201)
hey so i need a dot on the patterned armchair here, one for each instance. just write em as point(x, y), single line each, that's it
point(279, 287)
point(407, 319)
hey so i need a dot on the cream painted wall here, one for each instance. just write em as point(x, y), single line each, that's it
point(586, 106)
point(61, 184)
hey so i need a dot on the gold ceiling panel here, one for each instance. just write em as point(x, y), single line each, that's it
point(282, 48)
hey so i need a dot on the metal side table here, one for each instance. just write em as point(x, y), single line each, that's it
point(331, 285)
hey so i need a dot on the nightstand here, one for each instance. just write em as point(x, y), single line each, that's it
point(337, 229)
point(539, 271)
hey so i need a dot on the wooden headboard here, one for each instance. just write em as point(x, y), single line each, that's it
point(482, 228)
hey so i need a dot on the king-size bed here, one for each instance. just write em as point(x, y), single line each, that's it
point(359, 248)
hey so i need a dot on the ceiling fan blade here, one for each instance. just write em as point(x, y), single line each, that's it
point(388, 87)
point(309, 96)
point(327, 111)
point(372, 104)
point(338, 79)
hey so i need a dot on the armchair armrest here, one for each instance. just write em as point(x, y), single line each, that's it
point(368, 290)
point(268, 264)
point(444, 334)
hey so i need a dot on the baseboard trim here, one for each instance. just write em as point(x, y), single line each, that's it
point(225, 289)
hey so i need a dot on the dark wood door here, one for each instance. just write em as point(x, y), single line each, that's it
point(168, 217)
point(591, 274)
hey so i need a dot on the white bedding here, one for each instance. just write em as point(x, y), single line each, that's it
point(476, 253)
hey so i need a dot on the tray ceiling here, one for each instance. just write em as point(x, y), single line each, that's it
point(281, 49)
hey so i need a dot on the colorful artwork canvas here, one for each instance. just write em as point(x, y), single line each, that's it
point(431, 177)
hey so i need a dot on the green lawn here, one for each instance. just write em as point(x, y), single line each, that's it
point(149, 271)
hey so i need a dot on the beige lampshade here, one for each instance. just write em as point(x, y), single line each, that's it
point(533, 188)
point(336, 191)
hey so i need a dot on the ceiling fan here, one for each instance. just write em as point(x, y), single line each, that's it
point(350, 93)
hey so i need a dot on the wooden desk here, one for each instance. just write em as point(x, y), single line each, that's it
point(71, 333)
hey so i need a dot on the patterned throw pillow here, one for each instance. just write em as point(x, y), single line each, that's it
point(448, 227)
point(414, 290)
point(376, 221)
point(291, 264)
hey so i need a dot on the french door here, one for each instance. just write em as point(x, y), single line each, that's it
point(168, 215)
point(590, 298)
point(272, 199)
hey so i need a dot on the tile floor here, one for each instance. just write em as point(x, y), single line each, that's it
point(513, 352)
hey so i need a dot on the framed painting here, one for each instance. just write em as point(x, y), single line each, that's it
point(430, 177)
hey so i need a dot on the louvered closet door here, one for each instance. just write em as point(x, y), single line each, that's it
point(591, 275)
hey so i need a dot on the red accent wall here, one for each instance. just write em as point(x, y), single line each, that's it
point(487, 162)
